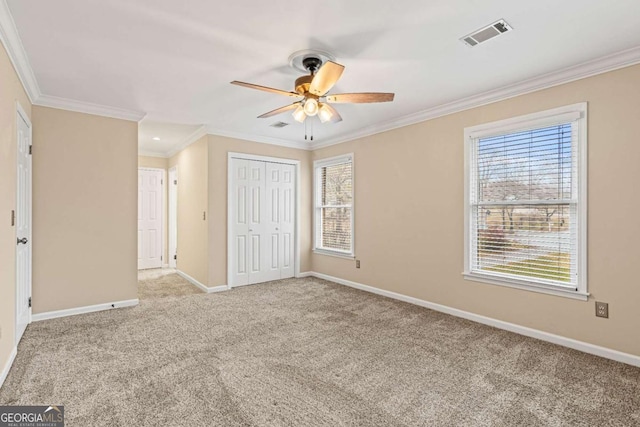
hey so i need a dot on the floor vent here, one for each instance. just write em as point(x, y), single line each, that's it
point(486, 33)
point(279, 125)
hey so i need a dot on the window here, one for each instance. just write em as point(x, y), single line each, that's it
point(333, 205)
point(525, 202)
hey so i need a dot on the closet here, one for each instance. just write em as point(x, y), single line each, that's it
point(262, 226)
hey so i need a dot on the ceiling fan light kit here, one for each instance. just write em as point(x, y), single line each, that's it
point(299, 114)
point(324, 113)
point(311, 107)
point(314, 87)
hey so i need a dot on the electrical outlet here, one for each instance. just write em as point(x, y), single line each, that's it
point(602, 309)
point(357, 263)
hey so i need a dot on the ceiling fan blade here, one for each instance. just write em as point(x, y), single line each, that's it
point(266, 89)
point(325, 78)
point(335, 116)
point(280, 110)
point(360, 98)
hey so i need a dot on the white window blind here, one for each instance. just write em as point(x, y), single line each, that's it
point(524, 205)
point(334, 205)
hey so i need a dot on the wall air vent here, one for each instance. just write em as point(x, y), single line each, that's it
point(486, 33)
point(279, 125)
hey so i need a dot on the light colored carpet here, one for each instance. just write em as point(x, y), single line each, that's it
point(305, 352)
point(165, 285)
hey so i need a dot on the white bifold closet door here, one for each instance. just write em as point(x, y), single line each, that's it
point(262, 221)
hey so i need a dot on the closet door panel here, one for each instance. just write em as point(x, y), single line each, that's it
point(240, 225)
point(287, 221)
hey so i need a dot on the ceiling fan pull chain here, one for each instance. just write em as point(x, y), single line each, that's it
point(311, 130)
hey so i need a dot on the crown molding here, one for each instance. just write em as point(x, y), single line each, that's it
point(15, 50)
point(89, 108)
point(147, 153)
point(10, 38)
point(605, 64)
point(17, 55)
point(196, 135)
point(259, 138)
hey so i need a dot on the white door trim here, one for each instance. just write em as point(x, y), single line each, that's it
point(22, 114)
point(244, 156)
point(172, 217)
point(163, 187)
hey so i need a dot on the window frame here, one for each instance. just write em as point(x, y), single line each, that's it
point(574, 113)
point(317, 205)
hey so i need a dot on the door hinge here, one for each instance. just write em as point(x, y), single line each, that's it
point(175, 182)
point(175, 257)
point(162, 182)
point(13, 218)
point(30, 149)
point(29, 301)
point(160, 258)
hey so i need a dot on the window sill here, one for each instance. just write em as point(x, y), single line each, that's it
point(334, 254)
point(582, 296)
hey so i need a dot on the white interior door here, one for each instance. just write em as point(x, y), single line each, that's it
point(258, 255)
point(150, 218)
point(272, 213)
point(173, 216)
point(280, 220)
point(287, 221)
point(262, 221)
point(23, 227)
point(239, 213)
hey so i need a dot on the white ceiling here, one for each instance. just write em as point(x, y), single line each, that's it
point(174, 60)
point(170, 135)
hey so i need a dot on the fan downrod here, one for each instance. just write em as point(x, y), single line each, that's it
point(312, 64)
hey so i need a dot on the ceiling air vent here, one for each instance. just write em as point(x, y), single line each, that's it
point(279, 125)
point(486, 33)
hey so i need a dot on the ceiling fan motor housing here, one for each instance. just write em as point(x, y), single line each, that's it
point(302, 84)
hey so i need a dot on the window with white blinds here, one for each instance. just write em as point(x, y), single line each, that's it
point(333, 182)
point(525, 215)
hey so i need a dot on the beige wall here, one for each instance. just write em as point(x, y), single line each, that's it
point(409, 214)
point(160, 163)
point(84, 209)
point(219, 147)
point(153, 162)
point(192, 204)
point(11, 90)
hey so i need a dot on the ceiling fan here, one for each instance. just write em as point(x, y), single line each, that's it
point(312, 92)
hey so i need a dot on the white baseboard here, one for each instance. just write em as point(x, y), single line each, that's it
point(82, 310)
point(607, 353)
point(200, 285)
point(305, 274)
point(7, 366)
